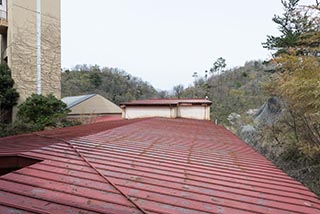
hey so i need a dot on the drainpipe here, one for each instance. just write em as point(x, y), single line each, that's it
point(38, 47)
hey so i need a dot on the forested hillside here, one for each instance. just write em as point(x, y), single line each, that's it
point(112, 83)
point(235, 90)
point(292, 139)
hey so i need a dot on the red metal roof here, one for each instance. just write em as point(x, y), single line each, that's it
point(108, 118)
point(154, 166)
point(167, 102)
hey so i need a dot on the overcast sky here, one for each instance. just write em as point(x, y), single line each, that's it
point(165, 41)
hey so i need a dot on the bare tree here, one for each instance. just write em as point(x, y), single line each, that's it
point(178, 89)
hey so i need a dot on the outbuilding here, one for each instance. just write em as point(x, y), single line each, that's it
point(169, 108)
point(91, 106)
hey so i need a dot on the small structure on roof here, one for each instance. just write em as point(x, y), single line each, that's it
point(169, 108)
point(91, 105)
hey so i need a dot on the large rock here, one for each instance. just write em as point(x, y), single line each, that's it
point(267, 115)
point(269, 112)
point(234, 120)
point(248, 133)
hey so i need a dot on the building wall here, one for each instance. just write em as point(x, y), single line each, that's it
point(22, 49)
point(192, 112)
point(131, 112)
point(51, 47)
point(95, 105)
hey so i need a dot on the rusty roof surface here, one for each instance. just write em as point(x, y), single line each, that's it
point(167, 102)
point(147, 166)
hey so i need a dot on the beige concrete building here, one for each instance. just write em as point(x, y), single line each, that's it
point(30, 37)
point(91, 106)
point(170, 108)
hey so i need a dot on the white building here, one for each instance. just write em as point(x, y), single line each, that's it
point(169, 108)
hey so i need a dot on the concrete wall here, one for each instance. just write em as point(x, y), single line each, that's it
point(51, 47)
point(22, 49)
point(192, 112)
point(131, 112)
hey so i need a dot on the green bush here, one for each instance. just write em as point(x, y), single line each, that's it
point(43, 111)
point(8, 95)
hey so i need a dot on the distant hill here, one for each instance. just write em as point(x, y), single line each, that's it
point(233, 91)
point(112, 83)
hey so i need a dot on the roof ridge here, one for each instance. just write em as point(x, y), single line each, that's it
point(80, 99)
point(174, 99)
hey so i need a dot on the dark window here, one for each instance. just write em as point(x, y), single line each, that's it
point(12, 163)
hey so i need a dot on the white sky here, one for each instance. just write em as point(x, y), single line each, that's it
point(165, 41)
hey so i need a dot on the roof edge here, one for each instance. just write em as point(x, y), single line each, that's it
point(81, 101)
point(171, 102)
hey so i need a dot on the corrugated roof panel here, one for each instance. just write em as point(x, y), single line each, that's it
point(75, 100)
point(161, 165)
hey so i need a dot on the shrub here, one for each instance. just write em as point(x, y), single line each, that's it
point(8, 95)
point(43, 111)
point(16, 128)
